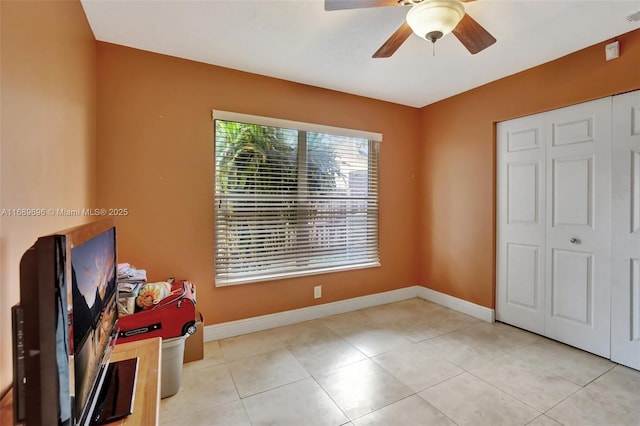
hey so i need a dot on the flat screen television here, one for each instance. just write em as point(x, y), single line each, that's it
point(65, 324)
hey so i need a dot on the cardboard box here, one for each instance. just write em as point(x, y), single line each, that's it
point(194, 346)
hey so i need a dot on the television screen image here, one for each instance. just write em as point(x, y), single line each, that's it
point(93, 311)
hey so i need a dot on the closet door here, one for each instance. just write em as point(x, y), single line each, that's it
point(625, 295)
point(554, 224)
point(521, 222)
point(578, 232)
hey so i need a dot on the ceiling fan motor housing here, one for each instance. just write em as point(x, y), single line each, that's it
point(433, 36)
point(433, 19)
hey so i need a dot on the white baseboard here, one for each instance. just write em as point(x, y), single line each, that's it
point(265, 322)
point(460, 305)
point(279, 319)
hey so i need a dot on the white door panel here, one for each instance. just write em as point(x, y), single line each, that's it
point(634, 317)
point(554, 224)
point(572, 191)
point(625, 292)
point(523, 278)
point(525, 139)
point(572, 286)
point(578, 236)
point(578, 130)
point(522, 193)
point(521, 221)
point(634, 192)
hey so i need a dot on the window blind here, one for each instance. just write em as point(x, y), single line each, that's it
point(292, 199)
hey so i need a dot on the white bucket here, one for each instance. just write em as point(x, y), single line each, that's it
point(172, 356)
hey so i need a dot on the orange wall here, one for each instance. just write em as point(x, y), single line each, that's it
point(457, 233)
point(47, 139)
point(155, 158)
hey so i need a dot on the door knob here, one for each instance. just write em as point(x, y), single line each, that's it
point(574, 240)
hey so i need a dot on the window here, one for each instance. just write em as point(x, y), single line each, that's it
point(292, 198)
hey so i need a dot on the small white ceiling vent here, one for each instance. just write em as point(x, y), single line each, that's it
point(634, 17)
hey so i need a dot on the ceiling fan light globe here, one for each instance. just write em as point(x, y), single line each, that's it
point(433, 16)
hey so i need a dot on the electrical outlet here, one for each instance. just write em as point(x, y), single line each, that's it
point(317, 292)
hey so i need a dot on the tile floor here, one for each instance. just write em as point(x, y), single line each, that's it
point(406, 363)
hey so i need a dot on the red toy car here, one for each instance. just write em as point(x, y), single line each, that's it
point(173, 316)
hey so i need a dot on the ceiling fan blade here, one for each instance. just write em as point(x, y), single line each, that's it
point(472, 35)
point(357, 4)
point(394, 42)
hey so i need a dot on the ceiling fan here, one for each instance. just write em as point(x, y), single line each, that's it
point(429, 19)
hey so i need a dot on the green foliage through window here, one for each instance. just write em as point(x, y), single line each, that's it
point(292, 202)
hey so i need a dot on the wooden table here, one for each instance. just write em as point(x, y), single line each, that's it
point(146, 407)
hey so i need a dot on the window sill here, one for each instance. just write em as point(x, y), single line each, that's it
point(221, 282)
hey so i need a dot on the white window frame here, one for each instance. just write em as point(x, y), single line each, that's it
point(300, 126)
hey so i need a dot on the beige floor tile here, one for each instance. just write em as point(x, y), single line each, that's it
point(367, 365)
point(200, 389)
point(454, 319)
point(305, 332)
point(411, 309)
point(362, 387)
point(543, 420)
point(412, 410)
point(325, 355)
point(251, 344)
point(212, 356)
point(299, 403)
point(500, 335)
point(562, 360)
point(534, 386)
point(589, 407)
point(266, 371)
point(432, 325)
point(212, 350)
point(417, 367)
point(462, 350)
point(621, 384)
point(348, 323)
point(468, 400)
point(230, 414)
point(377, 341)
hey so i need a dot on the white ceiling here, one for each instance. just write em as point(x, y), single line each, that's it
point(298, 40)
